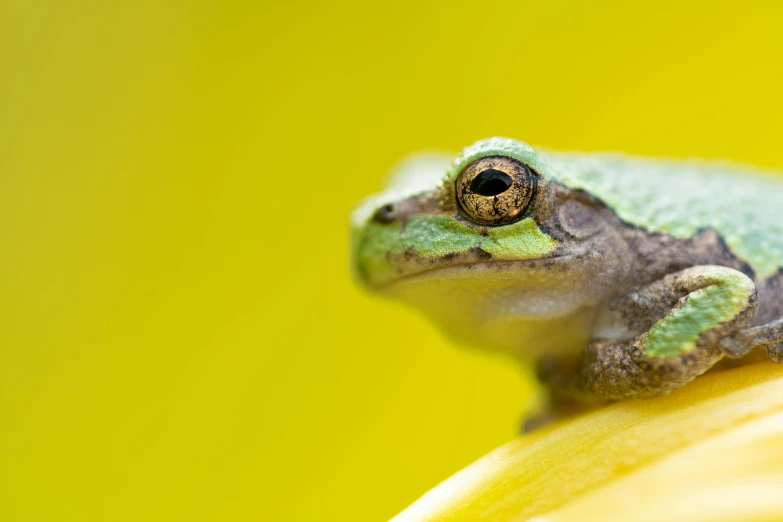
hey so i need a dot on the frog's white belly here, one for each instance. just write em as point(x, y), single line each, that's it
point(528, 319)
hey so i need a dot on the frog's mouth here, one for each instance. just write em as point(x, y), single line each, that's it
point(477, 269)
point(467, 268)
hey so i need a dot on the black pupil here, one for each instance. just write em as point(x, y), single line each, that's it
point(491, 182)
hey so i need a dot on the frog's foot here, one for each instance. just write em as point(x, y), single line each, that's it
point(559, 407)
point(769, 335)
point(775, 353)
point(538, 420)
point(683, 319)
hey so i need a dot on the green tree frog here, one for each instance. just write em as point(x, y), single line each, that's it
point(617, 277)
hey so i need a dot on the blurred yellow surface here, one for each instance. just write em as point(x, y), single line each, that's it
point(180, 336)
point(710, 451)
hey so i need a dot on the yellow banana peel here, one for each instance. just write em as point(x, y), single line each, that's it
point(711, 451)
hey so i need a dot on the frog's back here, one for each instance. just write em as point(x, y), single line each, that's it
point(743, 204)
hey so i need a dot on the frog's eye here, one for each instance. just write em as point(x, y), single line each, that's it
point(496, 190)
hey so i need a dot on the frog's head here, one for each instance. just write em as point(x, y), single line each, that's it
point(491, 246)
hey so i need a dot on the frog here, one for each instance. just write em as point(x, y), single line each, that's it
point(614, 276)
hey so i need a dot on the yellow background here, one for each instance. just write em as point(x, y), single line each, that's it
point(180, 336)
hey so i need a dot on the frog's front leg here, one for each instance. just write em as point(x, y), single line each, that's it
point(675, 327)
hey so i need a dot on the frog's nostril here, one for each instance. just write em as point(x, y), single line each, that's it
point(385, 214)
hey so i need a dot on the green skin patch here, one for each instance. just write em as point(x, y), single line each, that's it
point(423, 238)
point(678, 332)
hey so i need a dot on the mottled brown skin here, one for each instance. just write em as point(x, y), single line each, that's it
point(608, 369)
point(663, 274)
